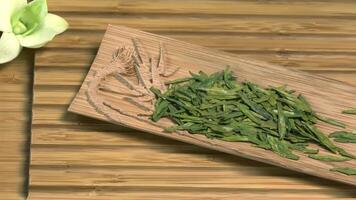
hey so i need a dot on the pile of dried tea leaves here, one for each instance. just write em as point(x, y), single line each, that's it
point(272, 118)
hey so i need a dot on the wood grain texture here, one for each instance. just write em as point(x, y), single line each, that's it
point(326, 96)
point(15, 84)
point(215, 23)
point(225, 7)
point(227, 42)
point(314, 36)
point(80, 59)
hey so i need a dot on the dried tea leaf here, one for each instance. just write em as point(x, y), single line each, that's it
point(328, 158)
point(331, 121)
point(344, 170)
point(351, 111)
point(343, 136)
point(322, 139)
point(235, 138)
point(345, 153)
point(302, 147)
point(161, 109)
point(279, 147)
point(281, 121)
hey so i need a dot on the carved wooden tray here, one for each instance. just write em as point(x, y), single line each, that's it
point(111, 92)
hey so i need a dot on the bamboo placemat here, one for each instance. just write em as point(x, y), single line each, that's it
point(75, 157)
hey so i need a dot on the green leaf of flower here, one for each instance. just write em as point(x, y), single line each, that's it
point(7, 8)
point(29, 18)
point(9, 47)
point(51, 26)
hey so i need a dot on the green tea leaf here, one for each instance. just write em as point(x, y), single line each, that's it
point(262, 99)
point(331, 121)
point(281, 148)
point(351, 111)
point(255, 107)
point(281, 121)
point(235, 138)
point(228, 78)
point(343, 136)
point(345, 153)
point(328, 158)
point(305, 103)
point(344, 170)
point(323, 139)
point(303, 148)
point(251, 115)
point(181, 80)
point(161, 110)
point(157, 92)
point(221, 93)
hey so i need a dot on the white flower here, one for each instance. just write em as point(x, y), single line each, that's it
point(26, 25)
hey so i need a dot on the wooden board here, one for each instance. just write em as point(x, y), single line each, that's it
point(15, 96)
point(326, 96)
point(292, 34)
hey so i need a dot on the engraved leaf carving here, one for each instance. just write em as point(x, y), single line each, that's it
point(134, 72)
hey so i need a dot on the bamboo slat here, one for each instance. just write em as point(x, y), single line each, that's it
point(15, 82)
point(215, 24)
point(212, 7)
point(168, 193)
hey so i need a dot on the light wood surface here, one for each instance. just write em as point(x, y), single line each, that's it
point(314, 36)
point(15, 90)
point(326, 96)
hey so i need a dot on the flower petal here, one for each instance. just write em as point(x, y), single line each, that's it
point(9, 47)
point(7, 9)
point(28, 19)
point(52, 26)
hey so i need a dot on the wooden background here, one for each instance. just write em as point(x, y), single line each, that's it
point(68, 158)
